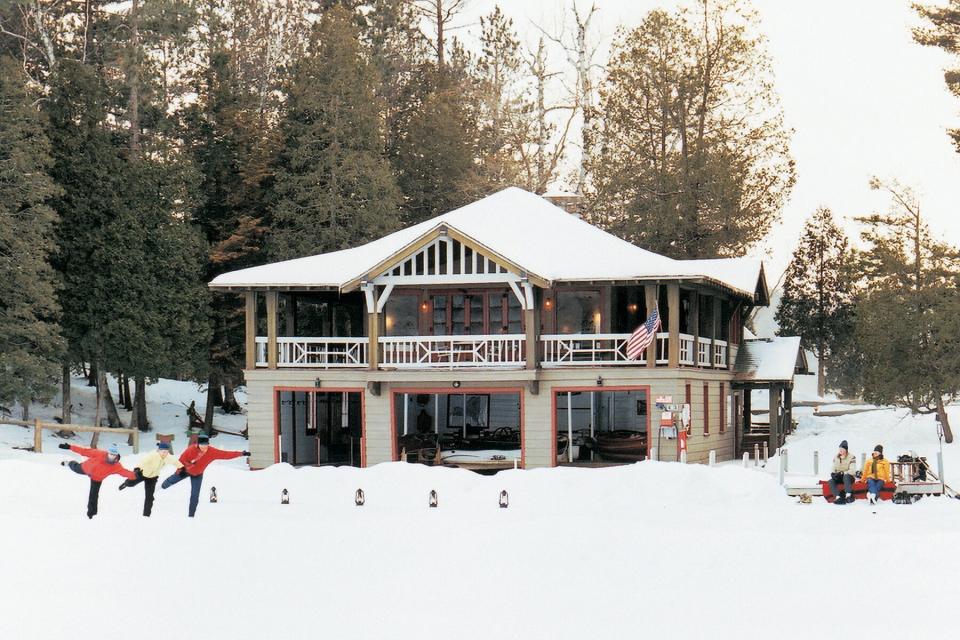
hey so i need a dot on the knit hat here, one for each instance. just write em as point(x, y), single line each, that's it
point(879, 449)
point(114, 450)
point(843, 445)
point(203, 439)
point(164, 446)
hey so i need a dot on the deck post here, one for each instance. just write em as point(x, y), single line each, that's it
point(773, 412)
point(250, 328)
point(37, 436)
point(673, 320)
point(650, 296)
point(695, 312)
point(271, 329)
point(531, 318)
point(373, 332)
point(716, 330)
point(787, 410)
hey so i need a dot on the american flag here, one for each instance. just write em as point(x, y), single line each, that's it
point(643, 336)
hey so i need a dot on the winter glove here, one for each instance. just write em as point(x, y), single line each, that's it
point(123, 485)
point(138, 472)
point(63, 445)
point(245, 453)
point(859, 474)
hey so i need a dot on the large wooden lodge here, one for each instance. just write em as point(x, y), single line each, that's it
point(508, 315)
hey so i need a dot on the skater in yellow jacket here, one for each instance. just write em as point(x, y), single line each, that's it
point(149, 470)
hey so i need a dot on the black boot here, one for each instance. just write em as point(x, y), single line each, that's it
point(841, 498)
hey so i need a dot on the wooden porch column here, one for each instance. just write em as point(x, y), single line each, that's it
point(716, 329)
point(787, 409)
point(271, 329)
point(532, 324)
point(373, 332)
point(650, 295)
point(673, 306)
point(695, 307)
point(774, 413)
point(250, 330)
point(747, 415)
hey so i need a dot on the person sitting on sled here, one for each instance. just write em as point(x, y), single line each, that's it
point(844, 468)
point(195, 459)
point(98, 465)
point(876, 472)
point(149, 470)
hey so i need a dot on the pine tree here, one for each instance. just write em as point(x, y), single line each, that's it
point(30, 341)
point(334, 187)
point(909, 315)
point(817, 295)
point(688, 152)
point(943, 31)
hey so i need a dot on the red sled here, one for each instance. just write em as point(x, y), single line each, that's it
point(860, 490)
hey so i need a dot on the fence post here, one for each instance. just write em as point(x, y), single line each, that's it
point(713, 457)
point(136, 440)
point(943, 486)
point(746, 459)
point(816, 463)
point(37, 436)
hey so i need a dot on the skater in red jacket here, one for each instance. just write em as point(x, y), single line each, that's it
point(97, 466)
point(196, 458)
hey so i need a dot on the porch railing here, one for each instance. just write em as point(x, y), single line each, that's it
point(318, 353)
point(703, 352)
point(451, 352)
point(720, 354)
point(595, 349)
point(686, 349)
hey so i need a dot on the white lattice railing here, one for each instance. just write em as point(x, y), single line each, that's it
point(720, 354)
point(317, 353)
point(450, 352)
point(686, 349)
point(587, 350)
point(703, 351)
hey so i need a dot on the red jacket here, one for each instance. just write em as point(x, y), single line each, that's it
point(98, 467)
point(195, 461)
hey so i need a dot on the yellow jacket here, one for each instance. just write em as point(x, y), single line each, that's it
point(883, 469)
point(151, 463)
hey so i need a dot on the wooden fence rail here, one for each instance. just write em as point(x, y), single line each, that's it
point(39, 426)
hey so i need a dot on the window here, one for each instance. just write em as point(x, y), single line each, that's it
point(476, 313)
point(578, 311)
point(402, 315)
point(706, 409)
point(723, 409)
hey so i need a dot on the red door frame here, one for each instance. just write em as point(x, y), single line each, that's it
point(363, 416)
point(623, 387)
point(455, 391)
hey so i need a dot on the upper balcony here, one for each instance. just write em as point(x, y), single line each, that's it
point(487, 328)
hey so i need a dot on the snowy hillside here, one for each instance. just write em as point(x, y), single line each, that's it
point(645, 550)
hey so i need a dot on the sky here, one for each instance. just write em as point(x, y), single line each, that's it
point(861, 97)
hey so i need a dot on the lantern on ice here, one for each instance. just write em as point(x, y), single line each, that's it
point(213, 494)
point(504, 499)
point(284, 497)
point(433, 498)
point(359, 498)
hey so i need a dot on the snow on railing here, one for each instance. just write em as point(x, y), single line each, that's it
point(451, 352)
point(319, 353)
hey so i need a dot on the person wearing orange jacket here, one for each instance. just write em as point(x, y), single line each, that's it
point(98, 465)
point(876, 471)
point(196, 458)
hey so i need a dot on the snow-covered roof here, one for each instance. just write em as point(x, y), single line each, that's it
point(770, 360)
point(537, 236)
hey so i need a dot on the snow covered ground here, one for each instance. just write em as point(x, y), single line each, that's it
point(645, 550)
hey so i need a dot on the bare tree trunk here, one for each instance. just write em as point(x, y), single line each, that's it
point(67, 409)
point(821, 377)
point(96, 420)
point(92, 375)
point(125, 392)
point(944, 420)
point(213, 389)
point(140, 403)
point(133, 76)
point(217, 393)
point(25, 410)
point(113, 417)
point(230, 404)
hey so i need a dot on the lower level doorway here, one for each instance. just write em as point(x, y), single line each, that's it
point(320, 427)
